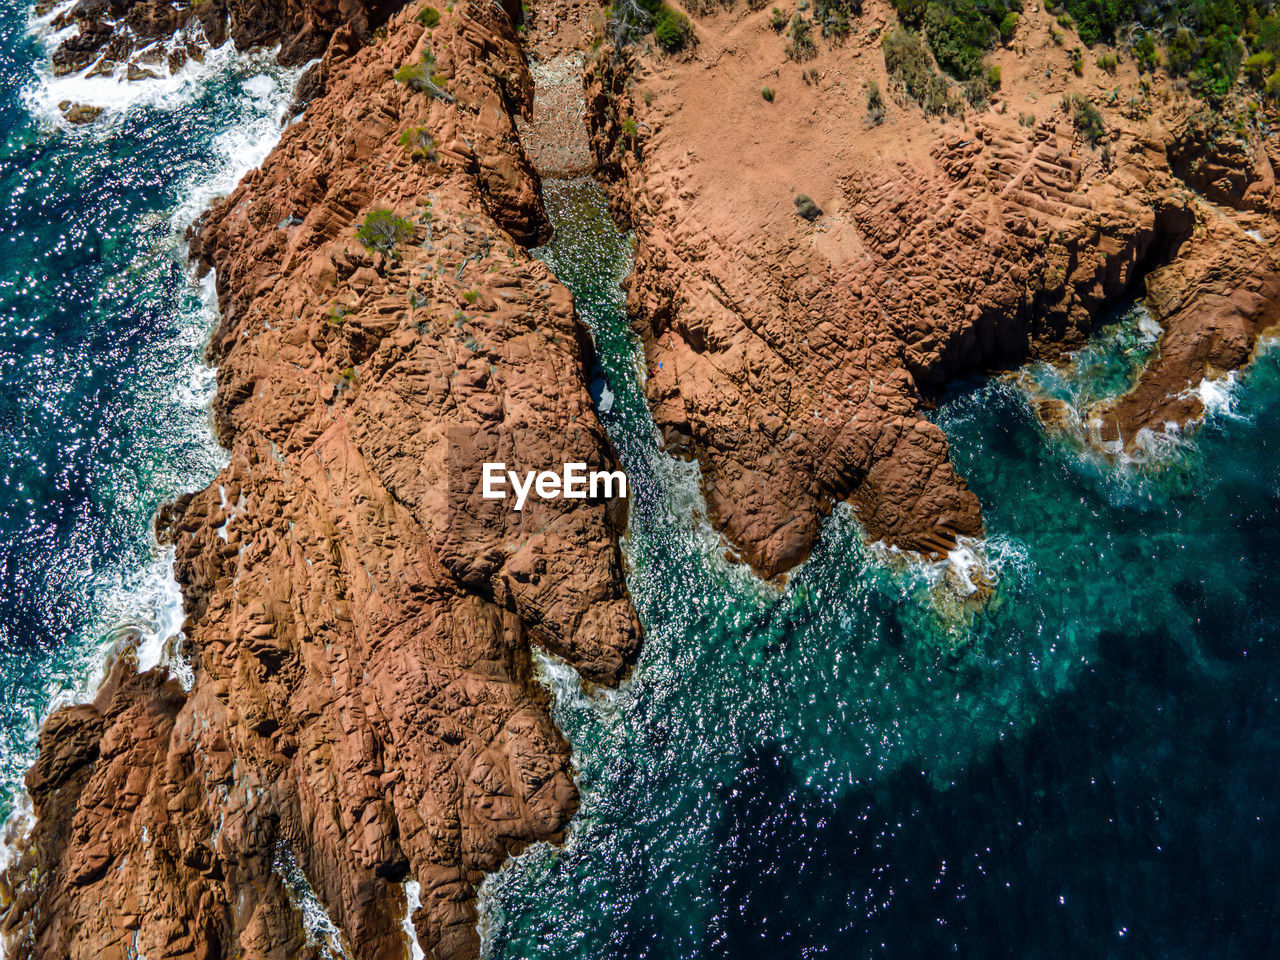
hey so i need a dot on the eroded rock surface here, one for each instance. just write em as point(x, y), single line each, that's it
point(154, 38)
point(358, 620)
point(792, 353)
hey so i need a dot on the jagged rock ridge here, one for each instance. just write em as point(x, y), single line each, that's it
point(358, 621)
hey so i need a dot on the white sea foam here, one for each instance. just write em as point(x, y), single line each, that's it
point(1218, 395)
point(413, 900)
point(149, 614)
point(681, 483)
point(319, 927)
point(116, 94)
point(143, 610)
point(1148, 325)
point(959, 584)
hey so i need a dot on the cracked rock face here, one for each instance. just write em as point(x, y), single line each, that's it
point(794, 355)
point(359, 621)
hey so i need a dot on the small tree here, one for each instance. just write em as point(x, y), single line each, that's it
point(1087, 120)
point(382, 230)
point(875, 103)
point(420, 144)
point(422, 76)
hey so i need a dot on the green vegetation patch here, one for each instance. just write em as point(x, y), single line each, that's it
point(1086, 118)
point(801, 47)
point(671, 28)
point(420, 144)
point(1206, 41)
point(911, 70)
point(960, 33)
point(422, 76)
point(807, 209)
point(383, 230)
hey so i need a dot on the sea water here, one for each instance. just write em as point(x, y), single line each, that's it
point(103, 395)
point(850, 766)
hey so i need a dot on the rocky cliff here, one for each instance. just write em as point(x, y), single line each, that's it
point(812, 265)
point(359, 621)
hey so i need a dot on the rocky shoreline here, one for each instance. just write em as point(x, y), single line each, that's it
point(794, 355)
point(363, 698)
point(808, 276)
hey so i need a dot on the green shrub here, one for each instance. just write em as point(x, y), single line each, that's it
point(1266, 34)
point(993, 76)
point(1008, 26)
point(1260, 66)
point(959, 34)
point(834, 16)
point(382, 230)
point(911, 69)
point(1272, 88)
point(911, 12)
point(1087, 120)
point(801, 47)
point(875, 103)
point(672, 30)
point(427, 16)
point(806, 208)
point(778, 20)
point(421, 76)
point(1107, 63)
point(1144, 53)
point(976, 92)
point(1202, 37)
point(420, 144)
point(767, 93)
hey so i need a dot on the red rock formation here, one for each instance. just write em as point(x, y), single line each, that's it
point(792, 355)
point(110, 34)
point(358, 619)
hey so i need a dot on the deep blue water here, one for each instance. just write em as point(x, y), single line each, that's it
point(102, 396)
point(860, 765)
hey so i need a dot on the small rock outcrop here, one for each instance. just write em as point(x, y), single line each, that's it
point(157, 37)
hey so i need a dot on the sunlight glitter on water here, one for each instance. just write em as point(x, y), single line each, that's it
point(785, 769)
point(105, 410)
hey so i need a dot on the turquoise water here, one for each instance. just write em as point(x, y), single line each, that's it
point(859, 765)
point(103, 400)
